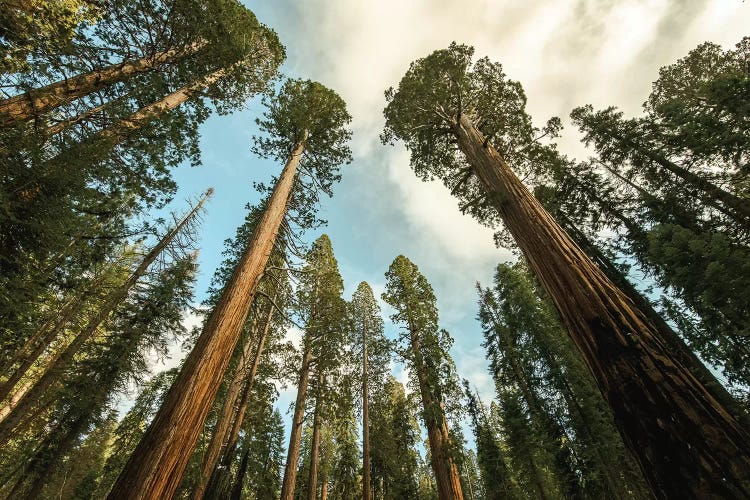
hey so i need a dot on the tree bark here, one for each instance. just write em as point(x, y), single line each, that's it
point(295, 438)
point(445, 470)
point(687, 444)
point(63, 359)
point(36, 102)
point(312, 484)
point(225, 435)
point(157, 465)
point(365, 420)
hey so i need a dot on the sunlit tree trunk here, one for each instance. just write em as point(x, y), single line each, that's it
point(295, 438)
point(26, 106)
point(445, 470)
point(312, 484)
point(687, 444)
point(227, 430)
point(365, 421)
point(157, 465)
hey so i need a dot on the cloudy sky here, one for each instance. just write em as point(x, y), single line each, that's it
point(565, 53)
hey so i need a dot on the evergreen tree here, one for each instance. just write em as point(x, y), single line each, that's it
point(307, 119)
point(468, 136)
point(426, 352)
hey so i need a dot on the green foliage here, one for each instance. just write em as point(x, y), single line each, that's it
point(394, 434)
point(424, 110)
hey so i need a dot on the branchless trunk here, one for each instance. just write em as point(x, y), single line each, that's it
point(295, 438)
point(233, 412)
point(157, 465)
point(675, 344)
point(324, 487)
point(365, 420)
point(63, 359)
point(445, 470)
point(26, 106)
point(687, 444)
point(312, 483)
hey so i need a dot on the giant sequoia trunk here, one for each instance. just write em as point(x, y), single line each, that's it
point(295, 438)
point(55, 369)
point(365, 421)
point(36, 102)
point(227, 429)
point(675, 344)
point(157, 465)
point(687, 444)
point(445, 470)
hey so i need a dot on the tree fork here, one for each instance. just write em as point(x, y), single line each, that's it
point(157, 465)
point(687, 443)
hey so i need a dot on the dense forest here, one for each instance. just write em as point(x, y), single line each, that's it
point(617, 341)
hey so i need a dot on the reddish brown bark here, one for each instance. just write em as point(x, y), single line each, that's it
point(444, 468)
point(687, 444)
point(62, 360)
point(295, 438)
point(39, 101)
point(156, 467)
point(233, 412)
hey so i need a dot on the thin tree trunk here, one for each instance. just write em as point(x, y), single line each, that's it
point(724, 201)
point(445, 470)
point(237, 488)
point(687, 444)
point(365, 420)
point(65, 124)
point(233, 412)
point(157, 465)
point(26, 106)
point(62, 360)
point(324, 487)
point(295, 438)
point(312, 483)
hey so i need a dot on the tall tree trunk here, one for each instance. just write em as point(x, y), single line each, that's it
point(687, 444)
point(63, 359)
point(365, 420)
point(233, 412)
point(445, 470)
point(324, 487)
point(295, 438)
point(312, 483)
point(674, 342)
point(157, 465)
point(36, 102)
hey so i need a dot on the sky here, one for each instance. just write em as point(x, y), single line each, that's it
point(565, 53)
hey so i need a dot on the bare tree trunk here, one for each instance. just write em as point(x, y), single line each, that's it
point(295, 438)
point(36, 102)
point(365, 421)
point(312, 483)
point(233, 412)
point(324, 487)
point(157, 465)
point(687, 444)
point(62, 360)
point(445, 470)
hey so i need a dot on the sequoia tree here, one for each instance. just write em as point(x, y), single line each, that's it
point(409, 293)
point(466, 124)
point(306, 127)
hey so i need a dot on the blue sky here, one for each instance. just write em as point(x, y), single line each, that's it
point(565, 53)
